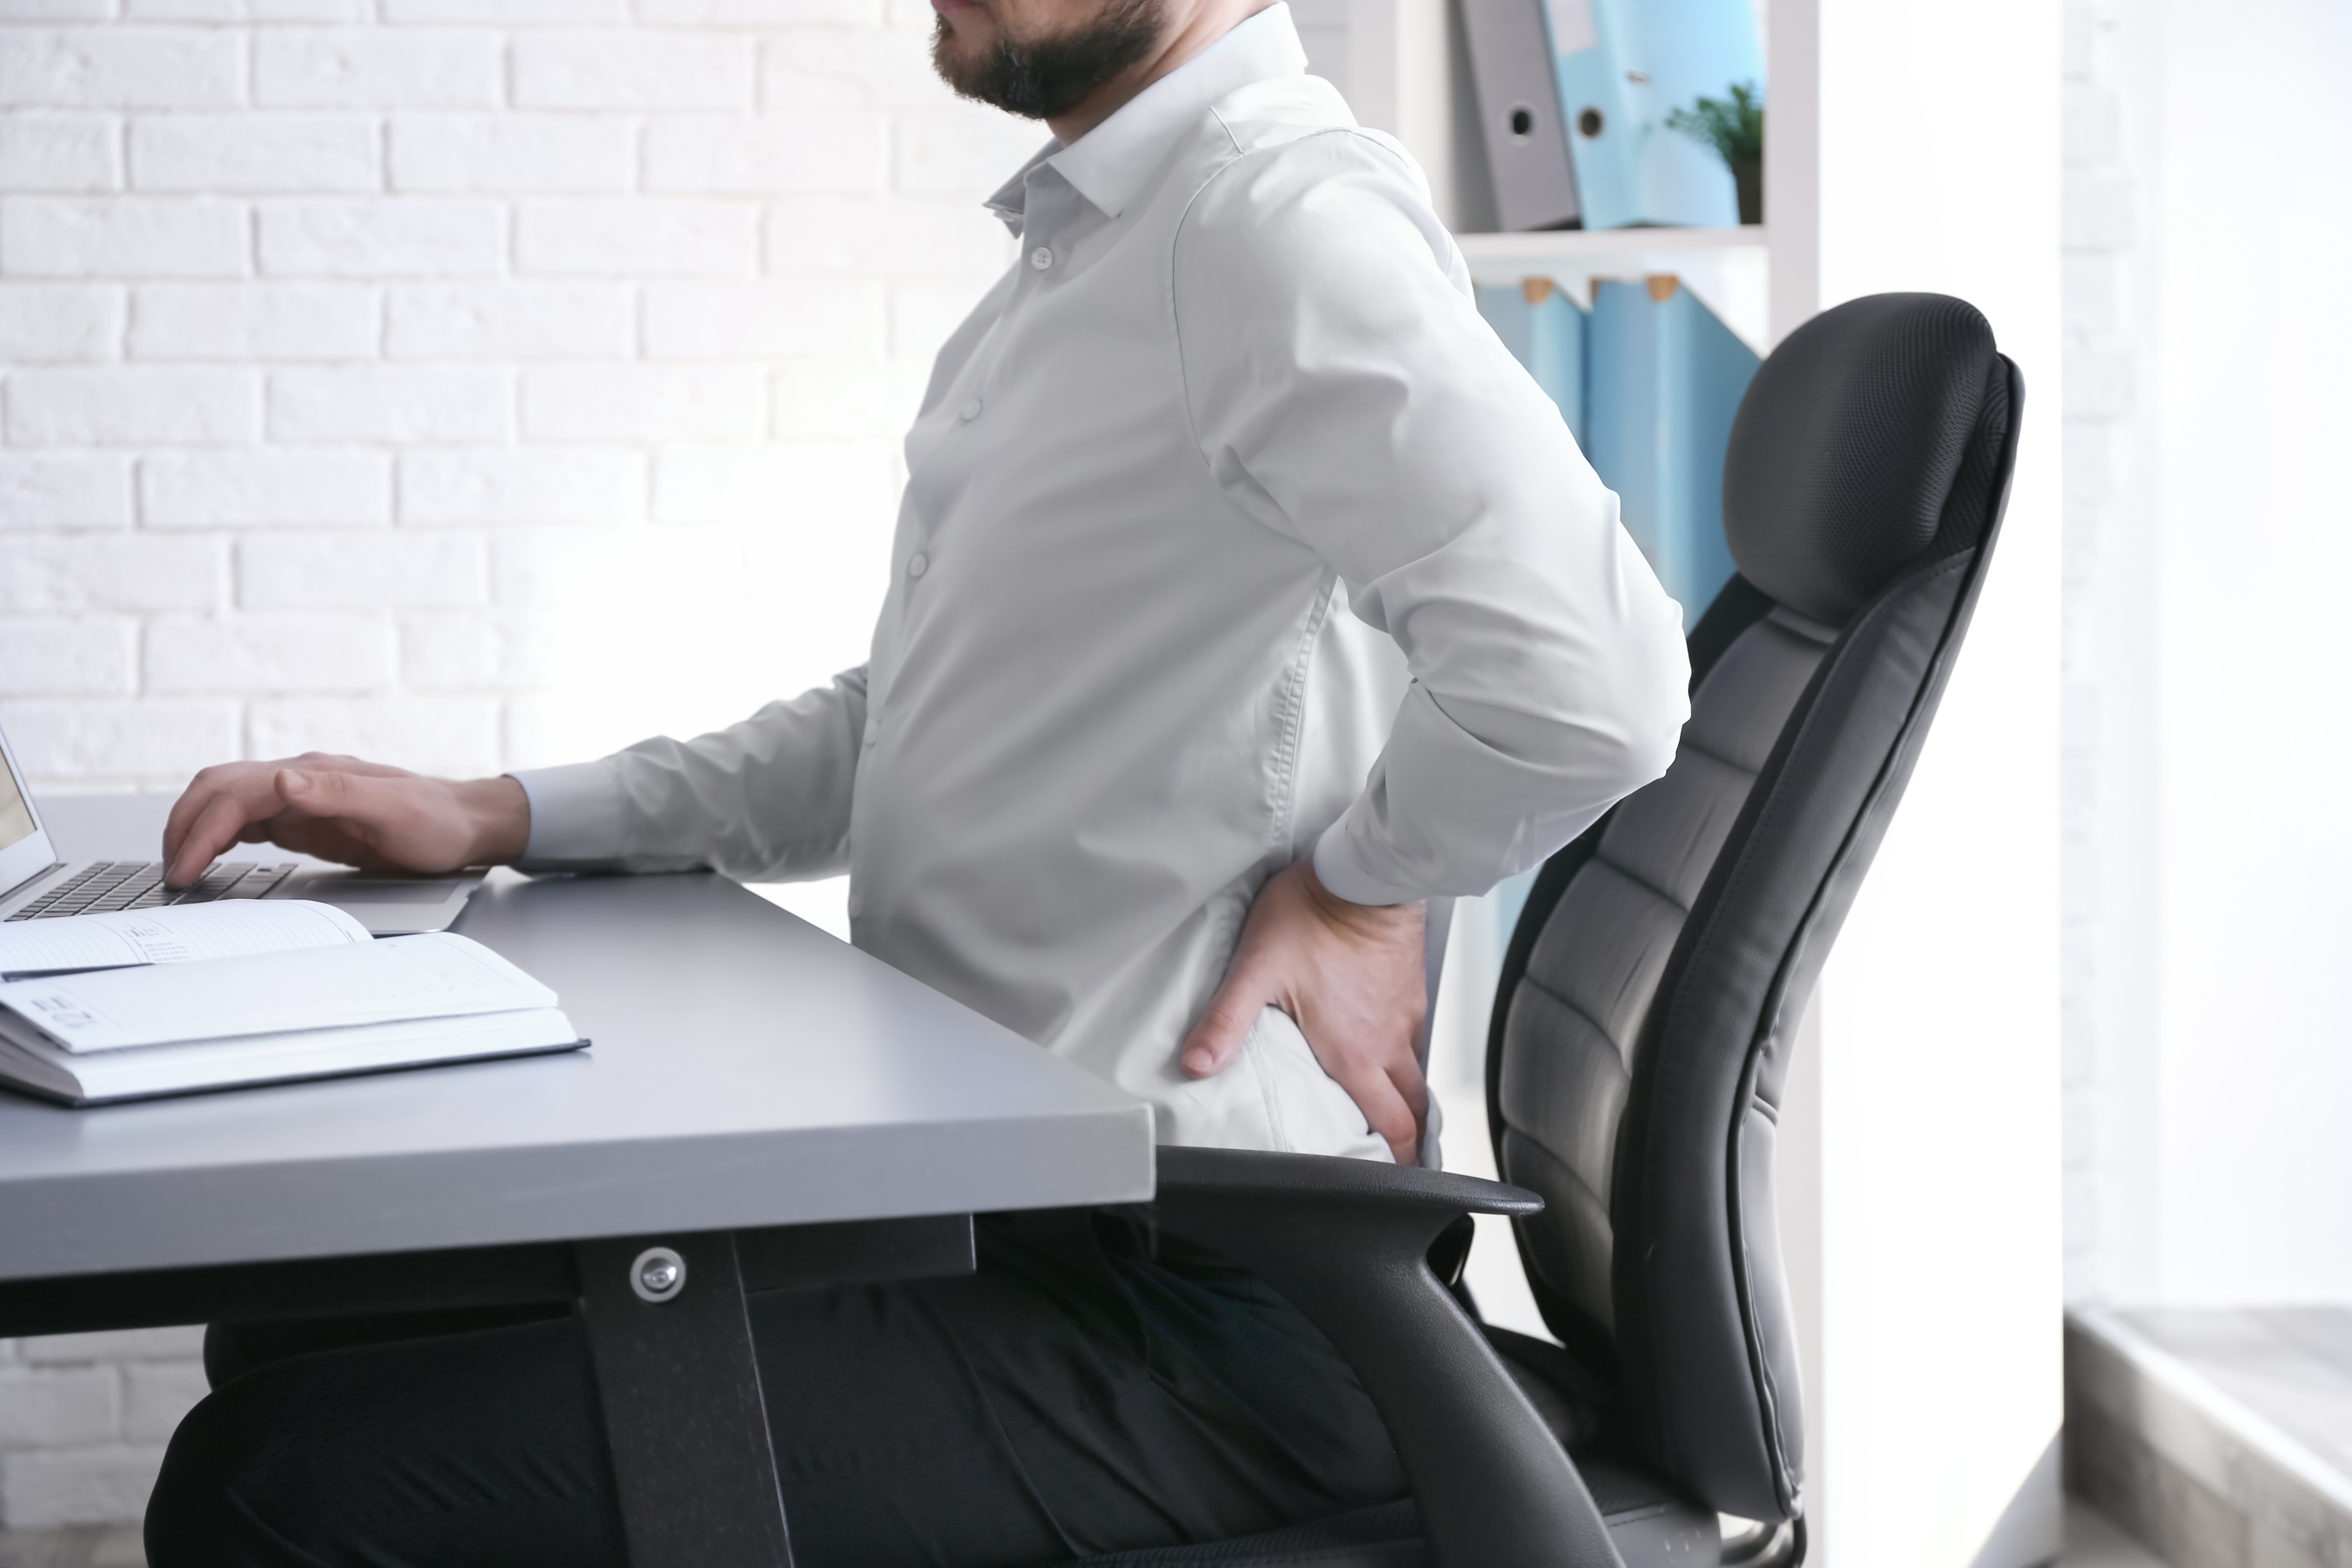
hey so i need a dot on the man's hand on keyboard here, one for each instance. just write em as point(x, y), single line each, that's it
point(1350, 976)
point(341, 808)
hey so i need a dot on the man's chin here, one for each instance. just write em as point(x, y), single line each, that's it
point(1040, 78)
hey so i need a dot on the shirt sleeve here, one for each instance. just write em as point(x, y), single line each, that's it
point(1345, 392)
point(764, 800)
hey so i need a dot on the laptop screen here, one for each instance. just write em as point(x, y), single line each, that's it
point(15, 816)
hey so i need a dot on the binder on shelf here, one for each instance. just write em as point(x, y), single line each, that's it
point(1663, 379)
point(1648, 382)
point(1517, 90)
point(1622, 66)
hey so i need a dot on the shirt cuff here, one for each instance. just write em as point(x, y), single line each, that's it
point(1342, 874)
point(575, 817)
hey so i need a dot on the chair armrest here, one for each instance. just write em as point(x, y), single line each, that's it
point(1348, 1242)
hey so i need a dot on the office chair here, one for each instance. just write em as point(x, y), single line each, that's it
point(1646, 1013)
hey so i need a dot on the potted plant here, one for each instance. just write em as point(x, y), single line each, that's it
point(1734, 127)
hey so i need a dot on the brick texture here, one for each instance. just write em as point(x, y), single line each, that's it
point(2107, 268)
point(468, 382)
point(83, 1418)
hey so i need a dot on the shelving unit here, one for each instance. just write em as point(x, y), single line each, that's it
point(1408, 74)
point(1727, 269)
point(1574, 248)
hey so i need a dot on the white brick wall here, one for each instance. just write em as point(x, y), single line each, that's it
point(362, 368)
point(2105, 265)
point(83, 1420)
point(466, 383)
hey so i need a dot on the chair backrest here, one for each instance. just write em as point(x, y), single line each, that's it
point(1651, 992)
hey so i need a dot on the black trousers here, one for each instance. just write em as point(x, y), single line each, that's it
point(1082, 1391)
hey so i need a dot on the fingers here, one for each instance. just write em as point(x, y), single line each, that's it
point(247, 792)
point(219, 820)
point(1217, 1038)
point(1372, 1056)
point(299, 807)
point(1413, 1087)
point(203, 790)
point(1353, 981)
point(1386, 1110)
point(1411, 1084)
point(336, 807)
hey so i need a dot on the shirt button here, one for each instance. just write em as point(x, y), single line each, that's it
point(1041, 258)
point(917, 564)
point(971, 409)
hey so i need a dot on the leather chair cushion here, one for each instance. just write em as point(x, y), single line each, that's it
point(1578, 1014)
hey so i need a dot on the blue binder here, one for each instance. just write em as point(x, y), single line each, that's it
point(1648, 386)
point(1663, 379)
point(1625, 65)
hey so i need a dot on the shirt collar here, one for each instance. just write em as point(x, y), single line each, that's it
point(1109, 164)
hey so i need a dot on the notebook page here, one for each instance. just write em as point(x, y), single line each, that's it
point(437, 976)
point(173, 935)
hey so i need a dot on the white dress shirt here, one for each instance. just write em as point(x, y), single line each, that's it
point(1231, 535)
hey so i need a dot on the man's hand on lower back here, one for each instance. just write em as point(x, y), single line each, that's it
point(1350, 976)
point(341, 808)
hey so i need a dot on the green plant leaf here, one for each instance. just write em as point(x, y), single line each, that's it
point(1733, 126)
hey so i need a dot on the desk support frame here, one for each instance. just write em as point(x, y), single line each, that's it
point(686, 1423)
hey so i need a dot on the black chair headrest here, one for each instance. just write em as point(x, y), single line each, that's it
point(1849, 444)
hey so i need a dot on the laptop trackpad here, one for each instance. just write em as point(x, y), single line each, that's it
point(387, 906)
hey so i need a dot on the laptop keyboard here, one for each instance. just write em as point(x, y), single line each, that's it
point(107, 885)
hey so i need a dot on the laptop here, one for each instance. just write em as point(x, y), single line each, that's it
point(37, 884)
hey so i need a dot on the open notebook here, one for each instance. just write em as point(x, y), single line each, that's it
point(144, 1003)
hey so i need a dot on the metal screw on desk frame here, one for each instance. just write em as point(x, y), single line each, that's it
point(657, 1275)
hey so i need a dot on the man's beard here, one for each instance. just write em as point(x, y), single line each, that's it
point(1043, 79)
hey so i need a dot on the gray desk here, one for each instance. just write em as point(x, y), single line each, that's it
point(776, 1107)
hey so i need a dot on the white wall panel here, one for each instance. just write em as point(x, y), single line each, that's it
point(2254, 539)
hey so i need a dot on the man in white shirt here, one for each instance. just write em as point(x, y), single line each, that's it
point(1245, 596)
